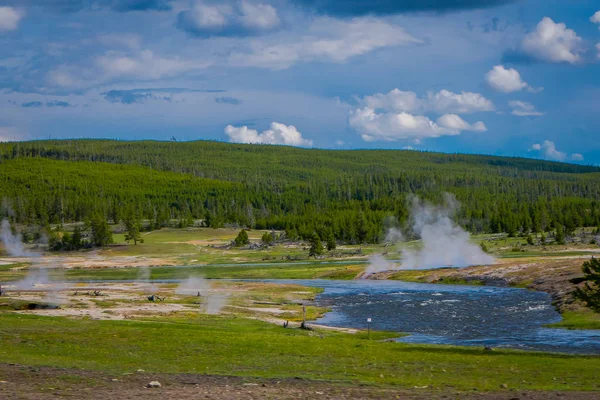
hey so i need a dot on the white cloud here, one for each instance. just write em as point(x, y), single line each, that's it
point(328, 40)
point(576, 157)
point(549, 151)
point(278, 134)
point(113, 65)
point(223, 19)
point(524, 109)
point(10, 18)
point(396, 100)
point(443, 101)
point(258, 16)
point(453, 122)
point(465, 102)
point(553, 42)
point(505, 80)
point(393, 126)
point(596, 18)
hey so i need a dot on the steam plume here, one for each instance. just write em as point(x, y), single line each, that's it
point(444, 243)
point(197, 285)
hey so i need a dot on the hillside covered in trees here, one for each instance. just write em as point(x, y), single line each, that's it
point(350, 193)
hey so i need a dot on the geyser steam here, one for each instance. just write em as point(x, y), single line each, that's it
point(198, 286)
point(12, 242)
point(443, 242)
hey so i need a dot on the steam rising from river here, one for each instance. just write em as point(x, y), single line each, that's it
point(443, 242)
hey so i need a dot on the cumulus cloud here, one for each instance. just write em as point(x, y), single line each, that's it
point(390, 7)
point(465, 102)
point(548, 151)
point(10, 18)
point(596, 18)
point(222, 19)
point(278, 134)
point(524, 109)
point(328, 40)
point(443, 101)
point(507, 80)
point(391, 126)
point(553, 42)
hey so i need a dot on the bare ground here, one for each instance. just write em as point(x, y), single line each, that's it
point(29, 383)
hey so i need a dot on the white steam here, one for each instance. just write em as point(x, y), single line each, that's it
point(212, 303)
point(37, 277)
point(12, 242)
point(443, 242)
point(143, 279)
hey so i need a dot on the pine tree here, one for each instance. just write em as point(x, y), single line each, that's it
point(242, 238)
point(560, 234)
point(267, 239)
point(132, 225)
point(316, 246)
point(77, 239)
point(330, 239)
point(590, 292)
point(101, 233)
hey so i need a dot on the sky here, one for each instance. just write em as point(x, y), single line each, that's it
point(501, 77)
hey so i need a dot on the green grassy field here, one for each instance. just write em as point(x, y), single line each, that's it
point(243, 347)
point(581, 319)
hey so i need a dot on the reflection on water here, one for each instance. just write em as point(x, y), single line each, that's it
point(452, 314)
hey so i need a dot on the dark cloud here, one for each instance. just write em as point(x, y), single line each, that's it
point(387, 7)
point(139, 96)
point(57, 103)
point(228, 100)
point(128, 96)
point(141, 5)
point(79, 5)
point(39, 104)
point(32, 104)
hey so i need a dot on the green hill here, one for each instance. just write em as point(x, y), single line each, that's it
point(301, 190)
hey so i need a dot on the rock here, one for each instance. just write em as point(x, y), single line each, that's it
point(504, 386)
point(140, 371)
point(154, 384)
point(114, 380)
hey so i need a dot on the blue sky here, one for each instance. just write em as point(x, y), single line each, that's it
point(503, 77)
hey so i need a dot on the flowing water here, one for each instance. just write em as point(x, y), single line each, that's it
point(451, 314)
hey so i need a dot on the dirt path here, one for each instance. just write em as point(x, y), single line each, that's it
point(29, 383)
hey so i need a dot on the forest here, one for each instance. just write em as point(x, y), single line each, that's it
point(351, 194)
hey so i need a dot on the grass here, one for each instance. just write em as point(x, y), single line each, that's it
point(242, 347)
point(292, 271)
point(581, 319)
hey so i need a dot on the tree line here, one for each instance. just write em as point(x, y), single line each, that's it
point(344, 195)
